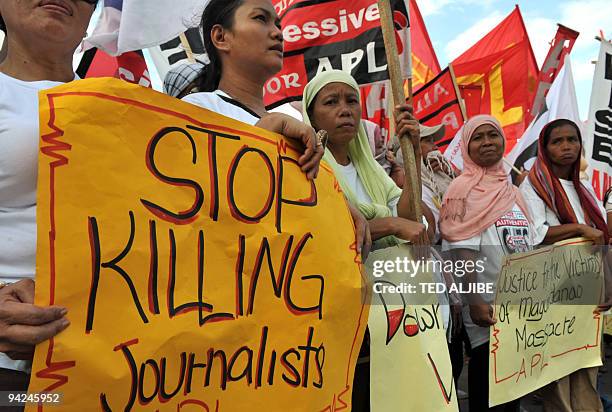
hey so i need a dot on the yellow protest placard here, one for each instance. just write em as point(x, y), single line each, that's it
point(410, 368)
point(608, 324)
point(194, 257)
point(546, 325)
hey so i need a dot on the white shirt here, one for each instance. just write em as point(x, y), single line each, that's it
point(353, 179)
point(543, 217)
point(511, 233)
point(220, 102)
point(19, 135)
point(289, 110)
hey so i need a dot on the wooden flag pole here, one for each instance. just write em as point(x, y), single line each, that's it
point(511, 166)
point(187, 47)
point(410, 162)
point(409, 84)
point(457, 92)
point(601, 38)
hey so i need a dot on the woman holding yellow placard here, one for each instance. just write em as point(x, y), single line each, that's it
point(41, 37)
point(563, 207)
point(244, 43)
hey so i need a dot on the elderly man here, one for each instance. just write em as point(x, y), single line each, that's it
point(183, 79)
point(436, 172)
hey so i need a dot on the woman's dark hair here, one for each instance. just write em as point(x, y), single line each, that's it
point(607, 196)
point(220, 12)
point(2, 25)
point(558, 123)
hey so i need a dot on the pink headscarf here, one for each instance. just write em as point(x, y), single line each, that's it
point(479, 196)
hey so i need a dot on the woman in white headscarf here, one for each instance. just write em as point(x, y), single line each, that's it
point(331, 102)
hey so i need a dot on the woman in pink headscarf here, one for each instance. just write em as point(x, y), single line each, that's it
point(483, 217)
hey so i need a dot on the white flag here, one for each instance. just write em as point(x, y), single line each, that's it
point(127, 25)
point(561, 103)
point(598, 136)
point(453, 150)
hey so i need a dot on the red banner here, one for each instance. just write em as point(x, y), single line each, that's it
point(375, 100)
point(437, 103)
point(321, 35)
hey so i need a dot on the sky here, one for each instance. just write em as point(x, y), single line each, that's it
point(455, 25)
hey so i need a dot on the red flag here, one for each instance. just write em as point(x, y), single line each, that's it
point(375, 100)
point(130, 66)
point(561, 46)
point(425, 64)
point(502, 67)
point(437, 102)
